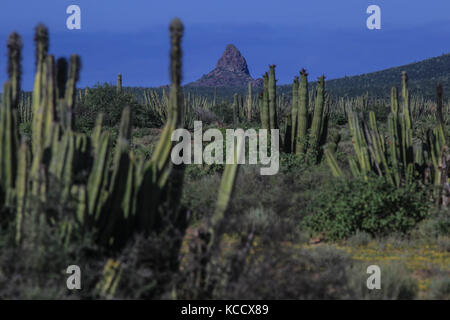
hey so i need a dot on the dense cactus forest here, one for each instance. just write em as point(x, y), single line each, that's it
point(86, 179)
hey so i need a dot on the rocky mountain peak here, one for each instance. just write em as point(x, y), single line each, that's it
point(232, 60)
point(231, 71)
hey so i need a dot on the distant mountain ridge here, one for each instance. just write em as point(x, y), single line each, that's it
point(423, 77)
point(232, 72)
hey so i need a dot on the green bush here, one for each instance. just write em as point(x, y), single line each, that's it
point(374, 206)
point(105, 99)
point(224, 112)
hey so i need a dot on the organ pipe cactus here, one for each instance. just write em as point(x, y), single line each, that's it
point(8, 146)
point(121, 193)
point(21, 188)
point(307, 137)
point(119, 82)
point(318, 123)
point(302, 117)
point(265, 122)
point(294, 112)
point(235, 110)
point(249, 102)
point(272, 95)
point(395, 158)
point(41, 42)
point(14, 67)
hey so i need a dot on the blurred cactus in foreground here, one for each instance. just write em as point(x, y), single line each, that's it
point(115, 194)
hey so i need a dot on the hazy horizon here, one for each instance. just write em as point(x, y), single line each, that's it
point(328, 38)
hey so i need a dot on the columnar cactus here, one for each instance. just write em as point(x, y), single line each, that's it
point(294, 113)
point(14, 67)
point(302, 117)
point(121, 193)
point(272, 95)
point(395, 158)
point(265, 124)
point(119, 82)
point(439, 104)
point(41, 42)
point(317, 125)
point(249, 102)
point(305, 137)
point(8, 145)
point(235, 110)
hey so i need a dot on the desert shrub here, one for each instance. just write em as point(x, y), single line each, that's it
point(37, 268)
point(372, 206)
point(360, 238)
point(105, 99)
point(224, 112)
point(292, 162)
point(148, 271)
point(339, 119)
point(440, 287)
point(381, 111)
point(196, 171)
point(443, 244)
point(436, 225)
point(206, 116)
point(289, 273)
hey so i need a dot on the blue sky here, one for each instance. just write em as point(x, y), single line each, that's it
point(328, 36)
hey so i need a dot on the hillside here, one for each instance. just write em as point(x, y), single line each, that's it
point(423, 76)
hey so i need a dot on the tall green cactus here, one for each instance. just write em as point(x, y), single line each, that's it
point(21, 188)
point(265, 122)
point(294, 113)
point(308, 138)
point(119, 82)
point(41, 42)
point(395, 158)
point(8, 145)
point(302, 118)
point(317, 125)
point(272, 96)
point(122, 194)
point(249, 102)
point(14, 67)
point(235, 110)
